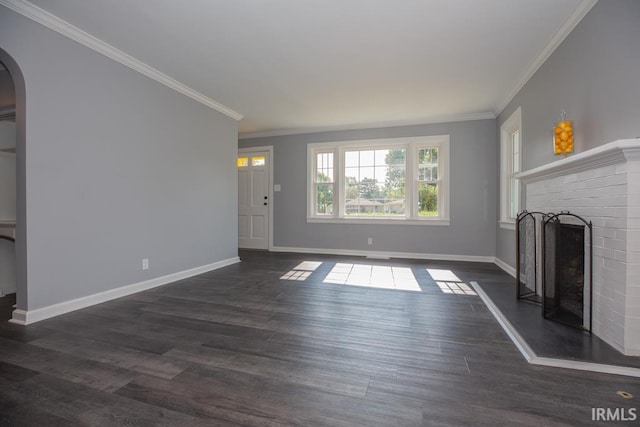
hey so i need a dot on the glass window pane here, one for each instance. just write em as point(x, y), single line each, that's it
point(367, 158)
point(424, 156)
point(351, 158)
point(514, 195)
point(515, 151)
point(375, 182)
point(427, 199)
point(257, 161)
point(352, 173)
point(324, 199)
point(243, 162)
point(324, 167)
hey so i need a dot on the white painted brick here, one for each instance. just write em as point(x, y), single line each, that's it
point(620, 256)
point(633, 327)
point(621, 168)
point(633, 199)
point(605, 232)
point(633, 212)
point(586, 175)
point(619, 319)
point(603, 253)
point(633, 176)
point(633, 274)
point(633, 291)
point(605, 170)
point(616, 244)
point(598, 242)
point(609, 263)
point(620, 233)
point(632, 303)
point(633, 240)
point(620, 300)
point(633, 257)
point(615, 222)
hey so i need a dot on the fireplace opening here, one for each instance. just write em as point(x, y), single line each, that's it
point(567, 269)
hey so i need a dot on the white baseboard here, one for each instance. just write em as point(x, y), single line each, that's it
point(531, 357)
point(23, 317)
point(506, 267)
point(385, 255)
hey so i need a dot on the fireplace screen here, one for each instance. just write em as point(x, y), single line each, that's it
point(526, 255)
point(567, 270)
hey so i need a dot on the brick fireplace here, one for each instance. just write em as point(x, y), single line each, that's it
point(602, 185)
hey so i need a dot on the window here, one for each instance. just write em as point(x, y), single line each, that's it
point(257, 161)
point(374, 182)
point(324, 184)
point(393, 180)
point(511, 164)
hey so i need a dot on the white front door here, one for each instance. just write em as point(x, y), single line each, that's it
point(253, 199)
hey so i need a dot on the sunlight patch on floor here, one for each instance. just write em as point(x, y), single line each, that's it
point(449, 283)
point(444, 275)
point(457, 288)
point(373, 276)
point(301, 271)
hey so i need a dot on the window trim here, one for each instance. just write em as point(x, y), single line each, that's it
point(412, 145)
point(507, 129)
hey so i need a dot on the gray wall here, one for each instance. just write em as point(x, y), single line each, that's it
point(118, 168)
point(7, 93)
point(7, 187)
point(594, 76)
point(473, 194)
point(7, 134)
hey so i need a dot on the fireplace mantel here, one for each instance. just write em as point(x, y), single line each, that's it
point(612, 153)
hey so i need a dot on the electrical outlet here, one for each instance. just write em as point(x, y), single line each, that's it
point(370, 241)
point(145, 264)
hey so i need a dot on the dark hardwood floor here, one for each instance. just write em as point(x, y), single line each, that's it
point(242, 346)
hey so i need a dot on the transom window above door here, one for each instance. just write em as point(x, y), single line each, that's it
point(401, 180)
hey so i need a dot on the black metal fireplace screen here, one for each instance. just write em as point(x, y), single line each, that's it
point(565, 268)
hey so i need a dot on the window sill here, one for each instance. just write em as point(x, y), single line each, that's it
point(380, 221)
point(507, 225)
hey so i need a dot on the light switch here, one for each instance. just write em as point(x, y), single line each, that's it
point(276, 187)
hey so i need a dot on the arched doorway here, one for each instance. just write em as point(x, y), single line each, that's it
point(19, 233)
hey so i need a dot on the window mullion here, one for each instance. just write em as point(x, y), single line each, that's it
point(339, 182)
point(411, 181)
point(441, 189)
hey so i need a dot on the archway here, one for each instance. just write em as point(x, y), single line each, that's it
point(21, 202)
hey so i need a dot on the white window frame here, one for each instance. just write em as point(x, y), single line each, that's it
point(512, 125)
point(412, 145)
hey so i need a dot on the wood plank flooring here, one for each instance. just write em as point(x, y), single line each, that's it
point(242, 346)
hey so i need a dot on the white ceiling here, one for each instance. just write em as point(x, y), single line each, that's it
point(295, 65)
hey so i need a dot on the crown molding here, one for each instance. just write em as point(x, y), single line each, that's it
point(583, 8)
point(74, 33)
point(362, 126)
